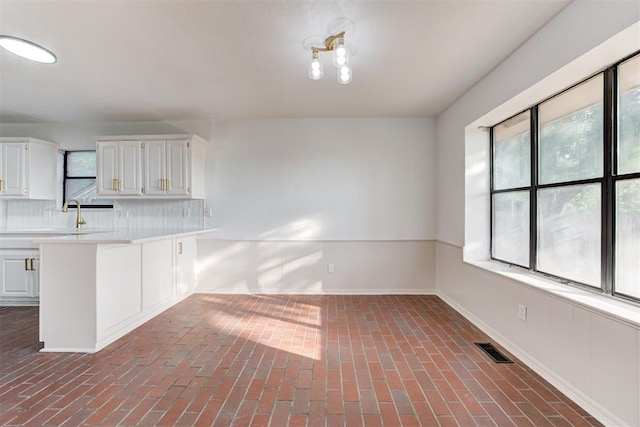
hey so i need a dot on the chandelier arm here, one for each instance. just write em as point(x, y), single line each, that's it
point(329, 43)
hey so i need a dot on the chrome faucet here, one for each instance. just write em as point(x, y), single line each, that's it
point(79, 220)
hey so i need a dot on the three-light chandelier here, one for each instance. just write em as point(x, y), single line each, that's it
point(336, 44)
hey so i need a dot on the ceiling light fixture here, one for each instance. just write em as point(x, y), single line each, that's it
point(336, 44)
point(27, 49)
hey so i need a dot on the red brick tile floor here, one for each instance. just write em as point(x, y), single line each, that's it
point(281, 361)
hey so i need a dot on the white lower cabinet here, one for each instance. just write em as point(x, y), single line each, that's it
point(157, 273)
point(19, 277)
point(185, 265)
point(93, 294)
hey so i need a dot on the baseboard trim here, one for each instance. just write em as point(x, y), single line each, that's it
point(323, 292)
point(588, 404)
point(20, 303)
point(68, 350)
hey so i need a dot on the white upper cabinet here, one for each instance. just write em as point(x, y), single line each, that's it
point(154, 167)
point(178, 167)
point(119, 168)
point(166, 167)
point(28, 169)
point(171, 166)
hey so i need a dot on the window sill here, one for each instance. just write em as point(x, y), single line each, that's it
point(620, 310)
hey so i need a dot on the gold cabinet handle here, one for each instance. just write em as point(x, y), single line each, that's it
point(119, 185)
point(26, 264)
point(168, 186)
point(31, 264)
point(161, 184)
point(179, 248)
point(1, 185)
point(114, 184)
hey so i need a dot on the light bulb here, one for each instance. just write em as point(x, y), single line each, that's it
point(344, 75)
point(341, 56)
point(315, 70)
point(27, 49)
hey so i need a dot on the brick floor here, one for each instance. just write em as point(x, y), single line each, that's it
point(282, 361)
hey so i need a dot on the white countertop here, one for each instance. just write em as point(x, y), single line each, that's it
point(89, 236)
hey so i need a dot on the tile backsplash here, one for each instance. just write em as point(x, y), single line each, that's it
point(29, 214)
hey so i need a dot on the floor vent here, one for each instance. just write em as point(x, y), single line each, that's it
point(493, 352)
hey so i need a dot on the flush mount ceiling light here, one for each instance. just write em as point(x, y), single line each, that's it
point(27, 49)
point(334, 43)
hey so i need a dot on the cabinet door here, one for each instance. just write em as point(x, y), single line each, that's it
point(157, 272)
point(15, 276)
point(154, 167)
point(107, 168)
point(12, 170)
point(130, 165)
point(185, 248)
point(178, 167)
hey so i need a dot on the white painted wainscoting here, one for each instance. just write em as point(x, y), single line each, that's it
point(302, 267)
point(591, 357)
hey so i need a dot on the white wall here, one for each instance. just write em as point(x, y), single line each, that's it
point(323, 179)
point(300, 267)
point(591, 356)
point(359, 192)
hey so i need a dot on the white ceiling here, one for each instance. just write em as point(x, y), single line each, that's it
point(181, 60)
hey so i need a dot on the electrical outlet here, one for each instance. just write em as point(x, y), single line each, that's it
point(208, 212)
point(330, 268)
point(522, 312)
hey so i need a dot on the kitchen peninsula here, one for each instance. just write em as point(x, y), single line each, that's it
point(97, 287)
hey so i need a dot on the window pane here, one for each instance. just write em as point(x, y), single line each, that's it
point(83, 190)
point(629, 116)
point(571, 136)
point(511, 227)
point(628, 237)
point(81, 163)
point(569, 232)
point(512, 153)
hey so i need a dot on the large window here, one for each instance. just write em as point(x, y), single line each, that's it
point(80, 179)
point(565, 184)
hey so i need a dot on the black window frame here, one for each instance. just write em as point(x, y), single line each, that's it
point(607, 183)
point(66, 177)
